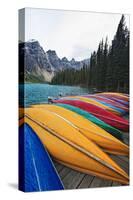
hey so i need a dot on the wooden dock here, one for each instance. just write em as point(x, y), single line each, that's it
point(75, 180)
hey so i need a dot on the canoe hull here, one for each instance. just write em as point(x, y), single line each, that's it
point(36, 170)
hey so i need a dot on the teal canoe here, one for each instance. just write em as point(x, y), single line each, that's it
point(113, 131)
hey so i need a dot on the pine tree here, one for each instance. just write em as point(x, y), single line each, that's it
point(109, 66)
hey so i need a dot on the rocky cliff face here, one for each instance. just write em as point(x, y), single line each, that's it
point(34, 60)
point(39, 65)
point(54, 60)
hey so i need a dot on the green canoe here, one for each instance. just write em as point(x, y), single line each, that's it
point(113, 131)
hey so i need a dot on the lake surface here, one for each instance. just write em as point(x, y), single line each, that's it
point(36, 93)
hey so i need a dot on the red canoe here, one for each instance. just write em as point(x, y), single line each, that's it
point(106, 116)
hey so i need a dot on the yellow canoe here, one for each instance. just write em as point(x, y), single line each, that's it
point(93, 132)
point(71, 148)
point(94, 102)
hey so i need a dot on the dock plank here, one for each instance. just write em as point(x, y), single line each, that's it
point(58, 166)
point(72, 179)
point(124, 165)
point(86, 181)
point(106, 183)
point(96, 182)
point(125, 158)
point(64, 172)
point(126, 138)
point(116, 184)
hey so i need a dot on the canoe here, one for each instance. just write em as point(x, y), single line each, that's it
point(36, 170)
point(74, 150)
point(90, 130)
point(105, 105)
point(127, 95)
point(113, 131)
point(120, 101)
point(106, 100)
point(108, 117)
point(119, 111)
point(117, 95)
point(112, 97)
point(94, 102)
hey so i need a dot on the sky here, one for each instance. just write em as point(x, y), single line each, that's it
point(71, 34)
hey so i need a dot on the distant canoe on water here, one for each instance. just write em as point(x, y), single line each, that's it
point(106, 116)
point(36, 170)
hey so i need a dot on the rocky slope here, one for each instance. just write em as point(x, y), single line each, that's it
point(41, 66)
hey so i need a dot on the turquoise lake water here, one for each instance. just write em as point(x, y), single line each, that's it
point(36, 93)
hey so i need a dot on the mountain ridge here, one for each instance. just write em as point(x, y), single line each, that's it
point(37, 65)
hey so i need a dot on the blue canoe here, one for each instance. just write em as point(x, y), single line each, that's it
point(121, 111)
point(36, 170)
point(119, 101)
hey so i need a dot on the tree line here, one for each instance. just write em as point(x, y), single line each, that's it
point(72, 77)
point(109, 65)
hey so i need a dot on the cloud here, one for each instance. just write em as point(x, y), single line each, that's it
point(71, 34)
point(81, 52)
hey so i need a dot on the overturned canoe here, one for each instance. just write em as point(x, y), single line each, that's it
point(87, 128)
point(119, 111)
point(117, 95)
point(95, 102)
point(112, 102)
point(71, 148)
point(36, 170)
point(125, 103)
point(115, 98)
point(107, 117)
point(115, 132)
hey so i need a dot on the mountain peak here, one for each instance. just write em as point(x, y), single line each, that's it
point(51, 52)
point(64, 59)
point(72, 60)
point(32, 40)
